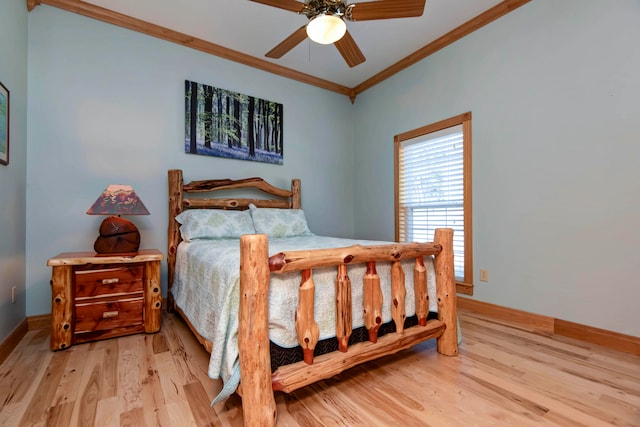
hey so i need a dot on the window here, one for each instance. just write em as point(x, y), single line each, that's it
point(433, 188)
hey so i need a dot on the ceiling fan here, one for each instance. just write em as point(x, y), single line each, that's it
point(327, 22)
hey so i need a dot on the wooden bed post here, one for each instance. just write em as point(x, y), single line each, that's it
point(398, 293)
point(421, 293)
point(296, 203)
point(446, 292)
point(258, 402)
point(344, 322)
point(372, 301)
point(306, 326)
point(173, 239)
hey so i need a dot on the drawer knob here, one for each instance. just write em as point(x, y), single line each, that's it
point(110, 281)
point(108, 314)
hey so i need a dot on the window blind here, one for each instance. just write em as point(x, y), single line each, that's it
point(431, 189)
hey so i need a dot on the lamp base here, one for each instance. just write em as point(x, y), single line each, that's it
point(117, 236)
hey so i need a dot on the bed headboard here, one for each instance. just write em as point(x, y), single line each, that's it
point(178, 202)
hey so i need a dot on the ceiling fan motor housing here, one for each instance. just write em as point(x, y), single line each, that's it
point(314, 8)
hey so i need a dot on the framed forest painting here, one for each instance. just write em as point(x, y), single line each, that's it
point(223, 123)
point(4, 125)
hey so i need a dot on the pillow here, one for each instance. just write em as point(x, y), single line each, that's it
point(214, 224)
point(276, 222)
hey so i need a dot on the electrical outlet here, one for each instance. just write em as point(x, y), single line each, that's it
point(13, 295)
point(484, 275)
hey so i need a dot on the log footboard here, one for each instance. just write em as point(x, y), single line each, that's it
point(258, 382)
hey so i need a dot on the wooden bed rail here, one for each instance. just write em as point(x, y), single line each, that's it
point(253, 337)
point(302, 260)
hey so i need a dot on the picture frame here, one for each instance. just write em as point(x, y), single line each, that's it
point(223, 123)
point(4, 125)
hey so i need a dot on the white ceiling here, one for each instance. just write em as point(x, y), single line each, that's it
point(253, 28)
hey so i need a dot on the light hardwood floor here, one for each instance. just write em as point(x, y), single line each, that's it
point(503, 376)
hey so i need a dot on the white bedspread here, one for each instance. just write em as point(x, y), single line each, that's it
point(207, 287)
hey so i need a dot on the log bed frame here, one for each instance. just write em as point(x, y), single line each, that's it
point(257, 380)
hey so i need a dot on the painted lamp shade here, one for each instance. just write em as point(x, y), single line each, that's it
point(117, 235)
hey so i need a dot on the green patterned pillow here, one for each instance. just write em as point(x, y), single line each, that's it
point(280, 222)
point(214, 224)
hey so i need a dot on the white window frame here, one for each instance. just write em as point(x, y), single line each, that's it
point(465, 282)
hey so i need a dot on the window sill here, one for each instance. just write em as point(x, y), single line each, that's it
point(464, 288)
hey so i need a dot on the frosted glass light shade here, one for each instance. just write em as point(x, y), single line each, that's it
point(326, 29)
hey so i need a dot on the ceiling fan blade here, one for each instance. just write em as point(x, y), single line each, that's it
point(289, 43)
point(292, 5)
point(349, 50)
point(386, 9)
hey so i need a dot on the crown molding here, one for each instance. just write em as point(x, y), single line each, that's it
point(105, 15)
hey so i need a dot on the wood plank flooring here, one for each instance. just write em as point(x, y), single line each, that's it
point(503, 376)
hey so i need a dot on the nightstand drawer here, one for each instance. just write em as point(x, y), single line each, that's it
point(103, 315)
point(107, 281)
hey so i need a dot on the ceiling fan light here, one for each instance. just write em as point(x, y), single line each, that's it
point(326, 29)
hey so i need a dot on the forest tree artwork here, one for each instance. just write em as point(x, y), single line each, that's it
point(4, 125)
point(223, 123)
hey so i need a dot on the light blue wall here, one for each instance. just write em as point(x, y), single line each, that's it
point(106, 105)
point(553, 88)
point(13, 75)
point(553, 92)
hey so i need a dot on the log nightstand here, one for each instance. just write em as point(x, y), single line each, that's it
point(96, 297)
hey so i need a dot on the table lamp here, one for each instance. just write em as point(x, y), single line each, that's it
point(117, 235)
